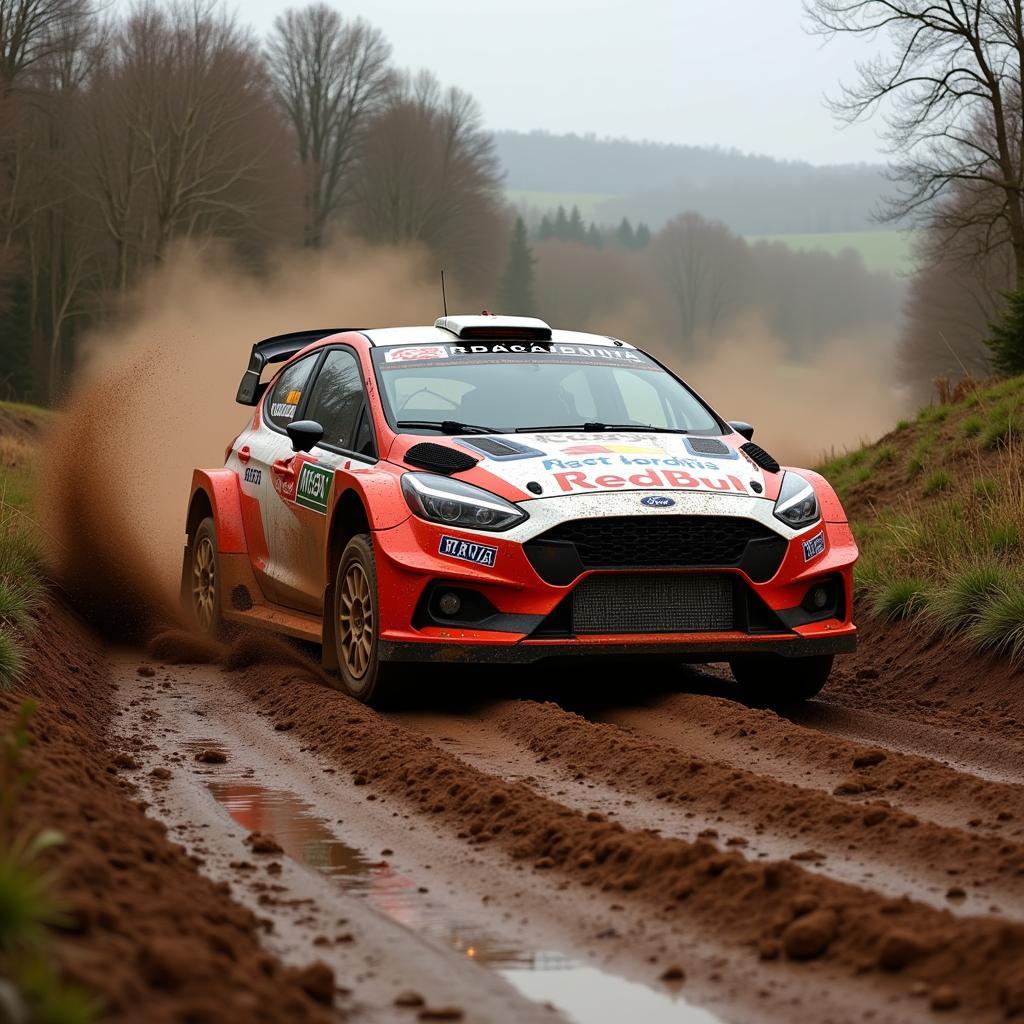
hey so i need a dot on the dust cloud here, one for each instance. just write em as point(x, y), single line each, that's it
point(802, 412)
point(154, 398)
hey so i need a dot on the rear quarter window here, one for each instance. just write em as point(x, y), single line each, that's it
point(288, 391)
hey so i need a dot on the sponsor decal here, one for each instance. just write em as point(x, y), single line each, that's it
point(671, 461)
point(467, 551)
point(604, 449)
point(674, 479)
point(314, 487)
point(293, 397)
point(657, 501)
point(254, 476)
point(614, 355)
point(415, 353)
point(814, 547)
point(283, 410)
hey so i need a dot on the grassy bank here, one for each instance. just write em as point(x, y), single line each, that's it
point(938, 511)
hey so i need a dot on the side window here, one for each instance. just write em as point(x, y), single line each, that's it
point(288, 391)
point(337, 399)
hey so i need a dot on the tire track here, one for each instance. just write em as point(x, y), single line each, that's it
point(774, 746)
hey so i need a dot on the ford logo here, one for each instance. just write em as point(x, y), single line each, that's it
point(657, 501)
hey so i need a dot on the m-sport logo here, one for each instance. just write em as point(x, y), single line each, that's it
point(467, 551)
point(657, 501)
point(314, 487)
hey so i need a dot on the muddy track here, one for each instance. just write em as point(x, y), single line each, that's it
point(783, 867)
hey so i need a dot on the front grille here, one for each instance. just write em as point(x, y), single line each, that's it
point(643, 603)
point(658, 541)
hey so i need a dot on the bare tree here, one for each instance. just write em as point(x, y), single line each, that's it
point(194, 98)
point(951, 84)
point(429, 174)
point(33, 32)
point(330, 76)
point(704, 269)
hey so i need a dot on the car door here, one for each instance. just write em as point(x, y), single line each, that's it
point(297, 543)
point(266, 474)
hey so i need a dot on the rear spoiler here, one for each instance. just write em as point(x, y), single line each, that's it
point(276, 350)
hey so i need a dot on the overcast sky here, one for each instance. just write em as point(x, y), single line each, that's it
point(732, 73)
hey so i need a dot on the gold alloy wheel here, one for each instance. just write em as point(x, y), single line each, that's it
point(355, 621)
point(204, 581)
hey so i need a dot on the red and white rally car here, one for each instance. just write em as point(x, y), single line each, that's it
point(490, 490)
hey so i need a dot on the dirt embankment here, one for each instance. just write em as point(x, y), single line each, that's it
point(147, 933)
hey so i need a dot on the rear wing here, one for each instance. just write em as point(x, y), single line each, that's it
point(276, 350)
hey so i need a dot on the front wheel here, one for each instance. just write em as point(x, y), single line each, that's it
point(771, 680)
point(357, 624)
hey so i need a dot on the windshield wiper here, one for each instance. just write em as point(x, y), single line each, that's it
point(596, 428)
point(448, 426)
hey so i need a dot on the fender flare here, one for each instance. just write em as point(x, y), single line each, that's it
point(221, 490)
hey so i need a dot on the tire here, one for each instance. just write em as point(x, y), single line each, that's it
point(203, 589)
point(357, 625)
point(771, 680)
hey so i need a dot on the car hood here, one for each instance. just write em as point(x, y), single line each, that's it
point(553, 463)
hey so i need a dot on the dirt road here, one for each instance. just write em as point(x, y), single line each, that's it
point(659, 853)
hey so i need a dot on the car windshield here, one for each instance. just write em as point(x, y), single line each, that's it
point(521, 387)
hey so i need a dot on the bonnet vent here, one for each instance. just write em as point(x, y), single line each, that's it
point(439, 458)
point(760, 456)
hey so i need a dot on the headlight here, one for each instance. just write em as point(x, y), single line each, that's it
point(797, 504)
point(453, 503)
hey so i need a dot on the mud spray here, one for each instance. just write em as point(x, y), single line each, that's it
point(155, 398)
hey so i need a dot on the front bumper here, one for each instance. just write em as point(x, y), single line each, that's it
point(693, 648)
point(527, 625)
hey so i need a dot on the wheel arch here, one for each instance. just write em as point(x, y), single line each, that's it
point(350, 518)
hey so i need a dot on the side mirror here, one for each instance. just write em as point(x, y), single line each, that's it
point(742, 428)
point(304, 434)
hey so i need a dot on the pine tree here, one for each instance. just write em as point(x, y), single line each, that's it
point(561, 228)
point(516, 294)
point(577, 232)
point(642, 236)
point(1006, 335)
point(594, 236)
point(624, 234)
point(546, 229)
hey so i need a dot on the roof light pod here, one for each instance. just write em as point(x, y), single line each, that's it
point(490, 326)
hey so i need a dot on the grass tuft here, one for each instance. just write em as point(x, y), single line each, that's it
point(940, 480)
point(957, 604)
point(1000, 623)
point(899, 599)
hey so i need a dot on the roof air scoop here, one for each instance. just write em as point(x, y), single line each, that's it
point(490, 327)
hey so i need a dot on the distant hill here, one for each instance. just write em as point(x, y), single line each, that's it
point(653, 182)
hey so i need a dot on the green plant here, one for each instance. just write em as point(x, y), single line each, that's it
point(898, 599)
point(902, 425)
point(957, 604)
point(985, 488)
point(972, 426)
point(883, 456)
point(1000, 623)
point(937, 481)
point(28, 906)
point(1006, 334)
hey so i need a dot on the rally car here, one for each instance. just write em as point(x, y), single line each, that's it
point(491, 490)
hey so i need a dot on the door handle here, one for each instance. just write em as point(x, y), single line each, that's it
point(283, 467)
point(244, 454)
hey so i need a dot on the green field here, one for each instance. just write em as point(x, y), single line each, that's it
point(880, 250)
point(549, 201)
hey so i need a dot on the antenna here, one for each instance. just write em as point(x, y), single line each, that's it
point(444, 298)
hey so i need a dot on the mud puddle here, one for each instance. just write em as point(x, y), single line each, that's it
point(584, 994)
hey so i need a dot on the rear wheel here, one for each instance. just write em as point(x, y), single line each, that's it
point(771, 680)
point(357, 624)
point(204, 581)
